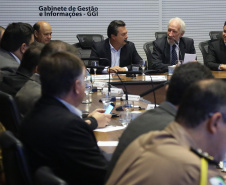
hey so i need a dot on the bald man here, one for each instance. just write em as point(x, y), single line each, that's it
point(42, 32)
point(2, 30)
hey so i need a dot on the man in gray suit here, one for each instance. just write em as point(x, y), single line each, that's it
point(160, 117)
point(29, 94)
point(15, 41)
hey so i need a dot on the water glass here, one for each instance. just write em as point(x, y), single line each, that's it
point(125, 117)
point(87, 91)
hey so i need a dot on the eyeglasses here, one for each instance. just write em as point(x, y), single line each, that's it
point(223, 115)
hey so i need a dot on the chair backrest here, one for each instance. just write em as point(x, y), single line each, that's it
point(160, 34)
point(9, 114)
point(203, 46)
point(148, 48)
point(45, 176)
point(14, 160)
point(86, 40)
point(85, 43)
point(215, 35)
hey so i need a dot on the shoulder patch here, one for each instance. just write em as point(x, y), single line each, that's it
point(217, 181)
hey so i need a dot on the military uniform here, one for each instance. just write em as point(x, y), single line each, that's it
point(161, 157)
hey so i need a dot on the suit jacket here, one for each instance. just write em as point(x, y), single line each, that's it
point(7, 60)
point(216, 54)
point(55, 137)
point(12, 81)
point(155, 119)
point(128, 54)
point(160, 59)
point(29, 94)
point(162, 157)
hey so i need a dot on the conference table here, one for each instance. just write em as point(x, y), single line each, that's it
point(135, 86)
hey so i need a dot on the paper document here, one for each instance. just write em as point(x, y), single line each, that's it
point(107, 143)
point(109, 128)
point(189, 58)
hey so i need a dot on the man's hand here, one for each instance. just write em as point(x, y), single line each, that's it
point(102, 119)
point(115, 69)
point(223, 67)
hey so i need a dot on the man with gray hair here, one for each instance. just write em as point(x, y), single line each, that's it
point(167, 50)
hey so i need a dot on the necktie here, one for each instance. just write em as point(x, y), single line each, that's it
point(174, 55)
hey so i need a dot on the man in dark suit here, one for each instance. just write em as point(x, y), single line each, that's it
point(54, 133)
point(116, 50)
point(15, 41)
point(160, 117)
point(216, 58)
point(165, 47)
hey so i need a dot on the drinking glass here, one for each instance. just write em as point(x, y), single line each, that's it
point(142, 65)
point(125, 117)
point(87, 90)
point(95, 64)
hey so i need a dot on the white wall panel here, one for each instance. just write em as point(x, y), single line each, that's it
point(141, 18)
point(200, 17)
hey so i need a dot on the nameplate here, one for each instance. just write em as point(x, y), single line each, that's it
point(101, 77)
point(151, 106)
point(99, 84)
point(156, 78)
point(113, 91)
point(131, 97)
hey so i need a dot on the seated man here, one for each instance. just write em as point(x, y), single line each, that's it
point(42, 32)
point(216, 58)
point(29, 94)
point(116, 50)
point(174, 155)
point(166, 50)
point(54, 133)
point(160, 117)
point(12, 81)
point(15, 41)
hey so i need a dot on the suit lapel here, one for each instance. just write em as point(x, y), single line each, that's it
point(107, 50)
point(167, 52)
point(182, 47)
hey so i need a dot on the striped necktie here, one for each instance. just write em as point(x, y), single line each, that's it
point(174, 55)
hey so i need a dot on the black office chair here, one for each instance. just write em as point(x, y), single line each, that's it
point(45, 176)
point(14, 160)
point(85, 43)
point(9, 114)
point(148, 48)
point(215, 35)
point(159, 34)
point(203, 46)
